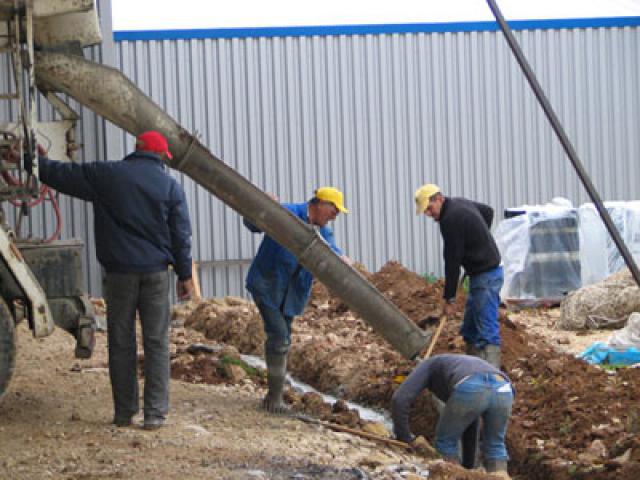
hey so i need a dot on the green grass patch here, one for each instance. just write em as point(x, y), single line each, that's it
point(430, 278)
point(612, 367)
point(227, 360)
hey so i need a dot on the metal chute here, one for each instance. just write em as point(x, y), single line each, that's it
point(109, 93)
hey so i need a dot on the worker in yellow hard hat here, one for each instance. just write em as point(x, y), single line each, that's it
point(468, 243)
point(280, 286)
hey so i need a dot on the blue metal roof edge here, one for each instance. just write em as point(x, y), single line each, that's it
point(373, 29)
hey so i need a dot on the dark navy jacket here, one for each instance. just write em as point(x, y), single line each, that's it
point(275, 278)
point(141, 218)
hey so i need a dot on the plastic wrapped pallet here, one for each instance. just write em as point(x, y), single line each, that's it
point(551, 250)
point(540, 252)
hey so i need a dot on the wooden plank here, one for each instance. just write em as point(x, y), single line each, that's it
point(196, 282)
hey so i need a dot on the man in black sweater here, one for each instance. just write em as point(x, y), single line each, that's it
point(468, 243)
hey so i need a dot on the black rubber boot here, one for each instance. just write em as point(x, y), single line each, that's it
point(493, 355)
point(490, 353)
point(276, 372)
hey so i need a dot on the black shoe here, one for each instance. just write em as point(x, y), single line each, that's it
point(153, 423)
point(122, 421)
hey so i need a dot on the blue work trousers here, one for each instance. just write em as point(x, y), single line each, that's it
point(480, 326)
point(485, 395)
point(277, 327)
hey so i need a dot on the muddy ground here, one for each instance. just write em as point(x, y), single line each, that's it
point(55, 422)
point(570, 419)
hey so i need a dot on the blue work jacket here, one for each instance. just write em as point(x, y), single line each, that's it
point(275, 278)
point(141, 219)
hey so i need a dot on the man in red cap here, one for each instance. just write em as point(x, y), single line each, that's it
point(155, 142)
point(141, 227)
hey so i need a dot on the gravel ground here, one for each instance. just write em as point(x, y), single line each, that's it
point(55, 423)
point(542, 321)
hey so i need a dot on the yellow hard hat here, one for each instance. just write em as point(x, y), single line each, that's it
point(423, 195)
point(333, 195)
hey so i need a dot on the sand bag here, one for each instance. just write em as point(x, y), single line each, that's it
point(606, 304)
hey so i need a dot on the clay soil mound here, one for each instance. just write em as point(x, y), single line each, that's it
point(232, 320)
point(570, 419)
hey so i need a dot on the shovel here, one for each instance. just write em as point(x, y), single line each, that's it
point(443, 320)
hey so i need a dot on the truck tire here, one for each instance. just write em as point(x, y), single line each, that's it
point(7, 346)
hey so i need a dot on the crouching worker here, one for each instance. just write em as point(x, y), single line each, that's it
point(471, 389)
point(280, 286)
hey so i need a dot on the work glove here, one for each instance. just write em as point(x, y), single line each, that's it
point(448, 309)
point(184, 289)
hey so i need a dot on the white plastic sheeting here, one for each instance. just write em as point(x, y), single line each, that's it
point(629, 336)
point(599, 255)
point(550, 250)
point(540, 251)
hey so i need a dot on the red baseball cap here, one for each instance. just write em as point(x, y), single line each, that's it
point(153, 141)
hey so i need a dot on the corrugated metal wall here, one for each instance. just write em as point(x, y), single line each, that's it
point(378, 115)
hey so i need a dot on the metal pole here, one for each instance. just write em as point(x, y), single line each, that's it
point(564, 140)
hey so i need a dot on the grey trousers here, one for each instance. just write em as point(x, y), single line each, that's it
point(147, 293)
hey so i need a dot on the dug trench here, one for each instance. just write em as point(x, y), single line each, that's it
point(570, 419)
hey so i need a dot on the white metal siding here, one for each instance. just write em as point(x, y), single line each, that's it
point(378, 115)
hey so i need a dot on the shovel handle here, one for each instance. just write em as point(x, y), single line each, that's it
point(369, 436)
point(443, 320)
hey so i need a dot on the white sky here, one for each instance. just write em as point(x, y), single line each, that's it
point(187, 14)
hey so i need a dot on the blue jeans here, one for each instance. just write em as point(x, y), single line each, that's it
point(486, 395)
point(480, 326)
point(277, 327)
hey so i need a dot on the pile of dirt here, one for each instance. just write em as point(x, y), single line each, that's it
point(606, 304)
point(570, 419)
point(416, 298)
point(231, 320)
point(201, 363)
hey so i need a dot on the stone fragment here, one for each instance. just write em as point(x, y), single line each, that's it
point(235, 373)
